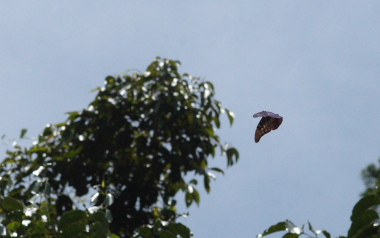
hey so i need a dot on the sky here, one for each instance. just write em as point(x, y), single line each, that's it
point(316, 63)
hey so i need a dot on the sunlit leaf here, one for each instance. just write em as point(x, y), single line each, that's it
point(109, 199)
point(38, 171)
point(316, 232)
point(292, 228)
point(47, 189)
point(94, 209)
point(94, 198)
point(231, 116)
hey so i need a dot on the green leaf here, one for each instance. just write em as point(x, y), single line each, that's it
point(363, 204)
point(99, 216)
point(327, 235)
point(194, 181)
point(11, 204)
point(362, 222)
point(217, 170)
point(206, 180)
point(71, 217)
point(217, 122)
point(196, 196)
point(145, 231)
point(98, 230)
point(292, 228)
point(74, 229)
point(231, 153)
point(95, 89)
point(274, 228)
point(47, 189)
point(14, 226)
point(231, 116)
point(311, 228)
point(179, 229)
point(166, 234)
point(23, 132)
point(109, 199)
point(37, 149)
point(112, 235)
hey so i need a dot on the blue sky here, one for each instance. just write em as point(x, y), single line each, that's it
point(316, 63)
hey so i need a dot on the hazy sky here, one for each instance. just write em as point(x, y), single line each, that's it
point(316, 63)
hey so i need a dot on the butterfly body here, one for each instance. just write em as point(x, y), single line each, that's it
point(269, 121)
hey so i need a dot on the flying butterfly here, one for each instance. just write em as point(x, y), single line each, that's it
point(269, 121)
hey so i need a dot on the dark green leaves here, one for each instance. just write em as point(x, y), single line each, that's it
point(192, 195)
point(231, 116)
point(232, 156)
point(74, 224)
point(274, 228)
point(11, 204)
point(365, 219)
point(23, 132)
point(135, 143)
point(164, 230)
point(364, 204)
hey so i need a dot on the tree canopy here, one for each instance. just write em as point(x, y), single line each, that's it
point(144, 138)
point(114, 169)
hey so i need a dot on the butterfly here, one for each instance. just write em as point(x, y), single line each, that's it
point(269, 121)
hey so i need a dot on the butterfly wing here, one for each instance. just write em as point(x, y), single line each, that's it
point(269, 121)
point(266, 114)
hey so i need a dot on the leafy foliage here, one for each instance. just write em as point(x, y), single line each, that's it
point(371, 178)
point(131, 149)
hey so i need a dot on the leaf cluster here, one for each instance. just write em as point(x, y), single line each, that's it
point(133, 146)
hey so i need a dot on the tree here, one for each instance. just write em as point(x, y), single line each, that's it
point(131, 149)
